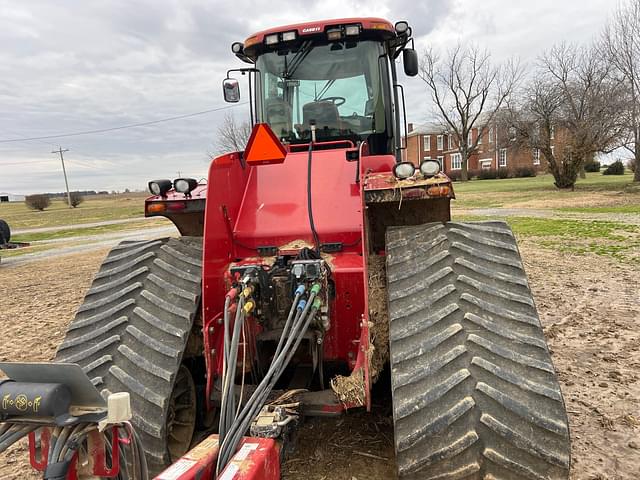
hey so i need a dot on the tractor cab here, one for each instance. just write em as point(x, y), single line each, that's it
point(337, 77)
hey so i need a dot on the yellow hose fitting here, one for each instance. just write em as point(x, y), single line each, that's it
point(248, 307)
point(246, 293)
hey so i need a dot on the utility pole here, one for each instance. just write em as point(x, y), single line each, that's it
point(64, 171)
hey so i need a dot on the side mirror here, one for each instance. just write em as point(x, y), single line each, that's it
point(231, 90)
point(410, 61)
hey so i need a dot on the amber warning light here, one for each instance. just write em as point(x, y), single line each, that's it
point(263, 147)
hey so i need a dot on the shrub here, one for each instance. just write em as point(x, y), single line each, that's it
point(488, 174)
point(37, 202)
point(473, 174)
point(616, 168)
point(631, 165)
point(592, 166)
point(521, 172)
point(76, 199)
point(503, 173)
point(455, 175)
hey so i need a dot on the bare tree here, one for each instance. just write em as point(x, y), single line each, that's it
point(231, 136)
point(468, 91)
point(621, 42)
point(572, 103)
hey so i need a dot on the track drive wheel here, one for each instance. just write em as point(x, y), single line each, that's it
point(130, 335)
point(475, 393)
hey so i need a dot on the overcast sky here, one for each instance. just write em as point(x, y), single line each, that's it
point(68, 66)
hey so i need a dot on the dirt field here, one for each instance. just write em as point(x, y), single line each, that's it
point(589, 305)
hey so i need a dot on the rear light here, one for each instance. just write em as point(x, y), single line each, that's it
point(156, 208)
point(334, 34)
point(438, 190)
point(404, 170)
point(288, 36)
point(352, 30)
point(176, 206)
point(271, 39)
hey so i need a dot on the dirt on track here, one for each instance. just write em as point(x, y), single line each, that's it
point(589, 305)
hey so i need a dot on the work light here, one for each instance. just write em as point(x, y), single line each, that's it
point(288, 36)
point(429, 168)
point(271, 39)
point(160, 187)
point(352, 30)
point(404, 170)
point(185, 185)
point(334, 34)
point(402, 27)
point(237, 47)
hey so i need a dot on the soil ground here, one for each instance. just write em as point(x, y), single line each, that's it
point(588, 304)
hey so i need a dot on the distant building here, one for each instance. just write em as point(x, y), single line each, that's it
point(10, 197)
point(496, 149)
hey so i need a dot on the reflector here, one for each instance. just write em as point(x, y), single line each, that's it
point(263, 147)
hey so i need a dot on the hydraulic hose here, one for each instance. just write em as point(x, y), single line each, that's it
point(228, 448)
point(312, 226)
point(279, 363)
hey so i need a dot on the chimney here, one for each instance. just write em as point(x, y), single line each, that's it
point(409, 127)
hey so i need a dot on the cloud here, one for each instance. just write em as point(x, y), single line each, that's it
point(69, 66)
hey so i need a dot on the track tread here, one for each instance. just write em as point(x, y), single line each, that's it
point(474, 388)
point(132, 329)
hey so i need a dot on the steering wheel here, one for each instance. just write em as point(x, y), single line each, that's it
point(336, 100)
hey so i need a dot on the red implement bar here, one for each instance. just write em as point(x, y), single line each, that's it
point(256, 459)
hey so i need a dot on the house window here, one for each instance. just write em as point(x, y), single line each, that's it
point(512, 134)
point(440, 142)
point(536, 156)
point(552, 132)
point(456, 161)
point(450, 141)
point(480, 132)
point(441, 161)
point(426, 142)
point(502, 160)
point(490, 134)
point(470, 139)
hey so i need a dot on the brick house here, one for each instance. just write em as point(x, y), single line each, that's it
point(496, 149)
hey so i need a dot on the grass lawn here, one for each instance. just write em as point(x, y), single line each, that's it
point(594, 191)
point(93, 209)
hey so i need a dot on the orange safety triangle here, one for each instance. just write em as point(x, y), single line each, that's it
point(263, 147)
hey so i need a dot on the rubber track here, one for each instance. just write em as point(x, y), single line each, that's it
point(475, 393)
point(132, 329)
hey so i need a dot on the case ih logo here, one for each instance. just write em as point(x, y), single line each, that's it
point(310, 29)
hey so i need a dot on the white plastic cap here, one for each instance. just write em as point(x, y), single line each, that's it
point(118, 410)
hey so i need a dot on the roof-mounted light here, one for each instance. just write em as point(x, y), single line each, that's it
point(352, 30)
point(402, 27)
point(237, 47)
point(334, 34)
point(271, 39)
point(289, 36)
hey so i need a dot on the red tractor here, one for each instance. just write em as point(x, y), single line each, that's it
point(308, 264)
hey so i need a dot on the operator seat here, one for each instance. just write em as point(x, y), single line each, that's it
point(278, 115)
point(325, 113)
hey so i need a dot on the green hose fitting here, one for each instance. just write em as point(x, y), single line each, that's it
point(316, 288)
point(317, 303)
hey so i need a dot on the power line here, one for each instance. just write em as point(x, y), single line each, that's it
point(122, 127)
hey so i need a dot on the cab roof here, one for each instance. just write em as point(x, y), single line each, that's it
point(370, 25)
